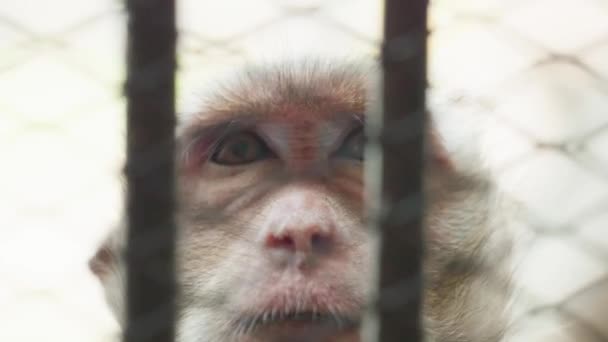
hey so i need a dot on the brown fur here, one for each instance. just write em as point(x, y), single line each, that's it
point(222, 269)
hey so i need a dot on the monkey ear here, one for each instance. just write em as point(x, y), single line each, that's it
point(101, 263)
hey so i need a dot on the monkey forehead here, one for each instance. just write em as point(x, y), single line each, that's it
point(286, 92)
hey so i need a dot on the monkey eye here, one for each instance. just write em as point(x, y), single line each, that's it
point(353, 146)
point(240, 148)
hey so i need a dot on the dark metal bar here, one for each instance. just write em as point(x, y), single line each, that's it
point(150, 167)
point(401, 137)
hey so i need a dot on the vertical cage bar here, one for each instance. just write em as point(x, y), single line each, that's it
point(150, 92)
point(398, 175)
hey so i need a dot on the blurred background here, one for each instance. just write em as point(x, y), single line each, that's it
point(535, 70)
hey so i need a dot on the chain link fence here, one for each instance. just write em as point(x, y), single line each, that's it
point(536, 71)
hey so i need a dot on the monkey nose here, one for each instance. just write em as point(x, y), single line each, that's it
point(304, 241)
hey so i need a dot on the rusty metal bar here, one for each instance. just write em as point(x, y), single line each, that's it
point(397, 303)
point(150, 89)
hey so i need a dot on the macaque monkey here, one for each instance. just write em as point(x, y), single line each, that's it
point(272, 240)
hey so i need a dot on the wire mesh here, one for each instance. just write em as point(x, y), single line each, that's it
point(536, 71)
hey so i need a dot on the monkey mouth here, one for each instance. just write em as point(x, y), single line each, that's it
point(304, 310)
point(298, 323)
point(304, 317)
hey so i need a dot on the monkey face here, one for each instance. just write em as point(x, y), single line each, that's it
point(272, 240)
point(271, 229)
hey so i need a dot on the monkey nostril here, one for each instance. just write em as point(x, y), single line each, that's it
point(308, 240)
point(321, 242)
point(285, 242)
point(316, 238)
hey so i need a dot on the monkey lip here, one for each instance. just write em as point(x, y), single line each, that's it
point(287, 316)
point(299, 326)
point(300, 305)
point(302, 318)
